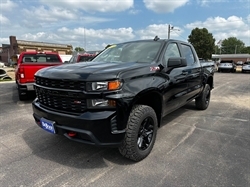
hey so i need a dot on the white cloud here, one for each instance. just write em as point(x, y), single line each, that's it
point(223, 28)
point(82, 37)
point(4, 40)
point(164, 6)
point(49, 15)
point(4, 20)
point(207, 2)
point(90, 6)
point(7, 5)
point(160, 30)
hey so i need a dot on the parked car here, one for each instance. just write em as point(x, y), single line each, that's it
point(227, 66)
point(120, 98)
point(239, 63)
point(84, 57)
point(27, 65)
point(2, 64)
point(246, 67)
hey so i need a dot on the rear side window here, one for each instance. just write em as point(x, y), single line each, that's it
point(40, 58)
point(188, 54)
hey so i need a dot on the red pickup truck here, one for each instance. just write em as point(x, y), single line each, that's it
point(27, 65)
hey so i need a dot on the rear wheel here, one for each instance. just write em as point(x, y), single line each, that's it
point(140, 134)
point(22, 95)
point(203, 100)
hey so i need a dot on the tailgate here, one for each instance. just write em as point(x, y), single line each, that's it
point(30, 63)
point(29, 70)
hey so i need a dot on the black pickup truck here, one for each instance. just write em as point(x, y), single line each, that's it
point(119, 98)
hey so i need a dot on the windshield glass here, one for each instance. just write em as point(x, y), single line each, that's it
point(144, 51)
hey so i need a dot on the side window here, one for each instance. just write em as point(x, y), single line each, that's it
point(188, 54)
point(171, 51)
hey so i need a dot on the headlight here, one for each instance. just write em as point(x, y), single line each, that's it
point(100, 86)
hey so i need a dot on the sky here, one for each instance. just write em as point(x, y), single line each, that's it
point(93, 24)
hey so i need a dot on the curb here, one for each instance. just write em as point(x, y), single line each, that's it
point(5, 82)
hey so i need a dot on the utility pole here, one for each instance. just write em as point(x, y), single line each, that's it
point(171, 28)
point(168, 31)
point(84, 40)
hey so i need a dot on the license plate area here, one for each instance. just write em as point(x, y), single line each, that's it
point(48, 125)
point(30, 87)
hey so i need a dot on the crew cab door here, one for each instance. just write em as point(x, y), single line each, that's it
point(193, 71)
point(176, 88)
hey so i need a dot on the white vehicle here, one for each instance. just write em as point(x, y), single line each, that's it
point(227, 65)
point(240, 63)
point(2, 65)
point(246, 67)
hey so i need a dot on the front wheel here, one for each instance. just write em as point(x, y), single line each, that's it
point(203, 100)
point(140, 134)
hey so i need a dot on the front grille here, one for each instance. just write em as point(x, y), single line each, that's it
point(62, 103)
point(59, 83)
point(72, 99)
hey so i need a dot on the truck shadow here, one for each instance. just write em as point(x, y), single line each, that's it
point(30, 97)
point(59, 149)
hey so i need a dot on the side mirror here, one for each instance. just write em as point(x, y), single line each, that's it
point(177, 62)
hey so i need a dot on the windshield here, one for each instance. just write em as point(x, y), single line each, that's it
point(144, 51)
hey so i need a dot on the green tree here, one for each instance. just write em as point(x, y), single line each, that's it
point(216, 49)
point(79, 49)
point(246, 50)
point(232, 45)
point(203, 42)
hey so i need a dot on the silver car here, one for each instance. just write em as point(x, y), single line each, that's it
point(227, 65)
point(246, 67)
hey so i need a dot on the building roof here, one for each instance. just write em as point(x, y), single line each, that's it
point(23, 42)
point(231, 56)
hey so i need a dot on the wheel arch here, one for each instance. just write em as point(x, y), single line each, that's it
point(210, 81)
point(151, 98)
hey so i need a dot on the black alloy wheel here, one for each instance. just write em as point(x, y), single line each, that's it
point(145, 133)
point(203, 100)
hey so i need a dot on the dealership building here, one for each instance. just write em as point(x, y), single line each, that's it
point(234, 57)
point(10, 51)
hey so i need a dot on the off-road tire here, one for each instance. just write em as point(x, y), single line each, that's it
point(203, 100)
point(140, 134)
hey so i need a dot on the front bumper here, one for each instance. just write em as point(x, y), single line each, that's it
point(95, 128)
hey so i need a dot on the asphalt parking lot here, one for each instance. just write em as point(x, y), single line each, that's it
point(193, 148)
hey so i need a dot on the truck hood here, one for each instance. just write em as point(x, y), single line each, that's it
point(88, 70)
